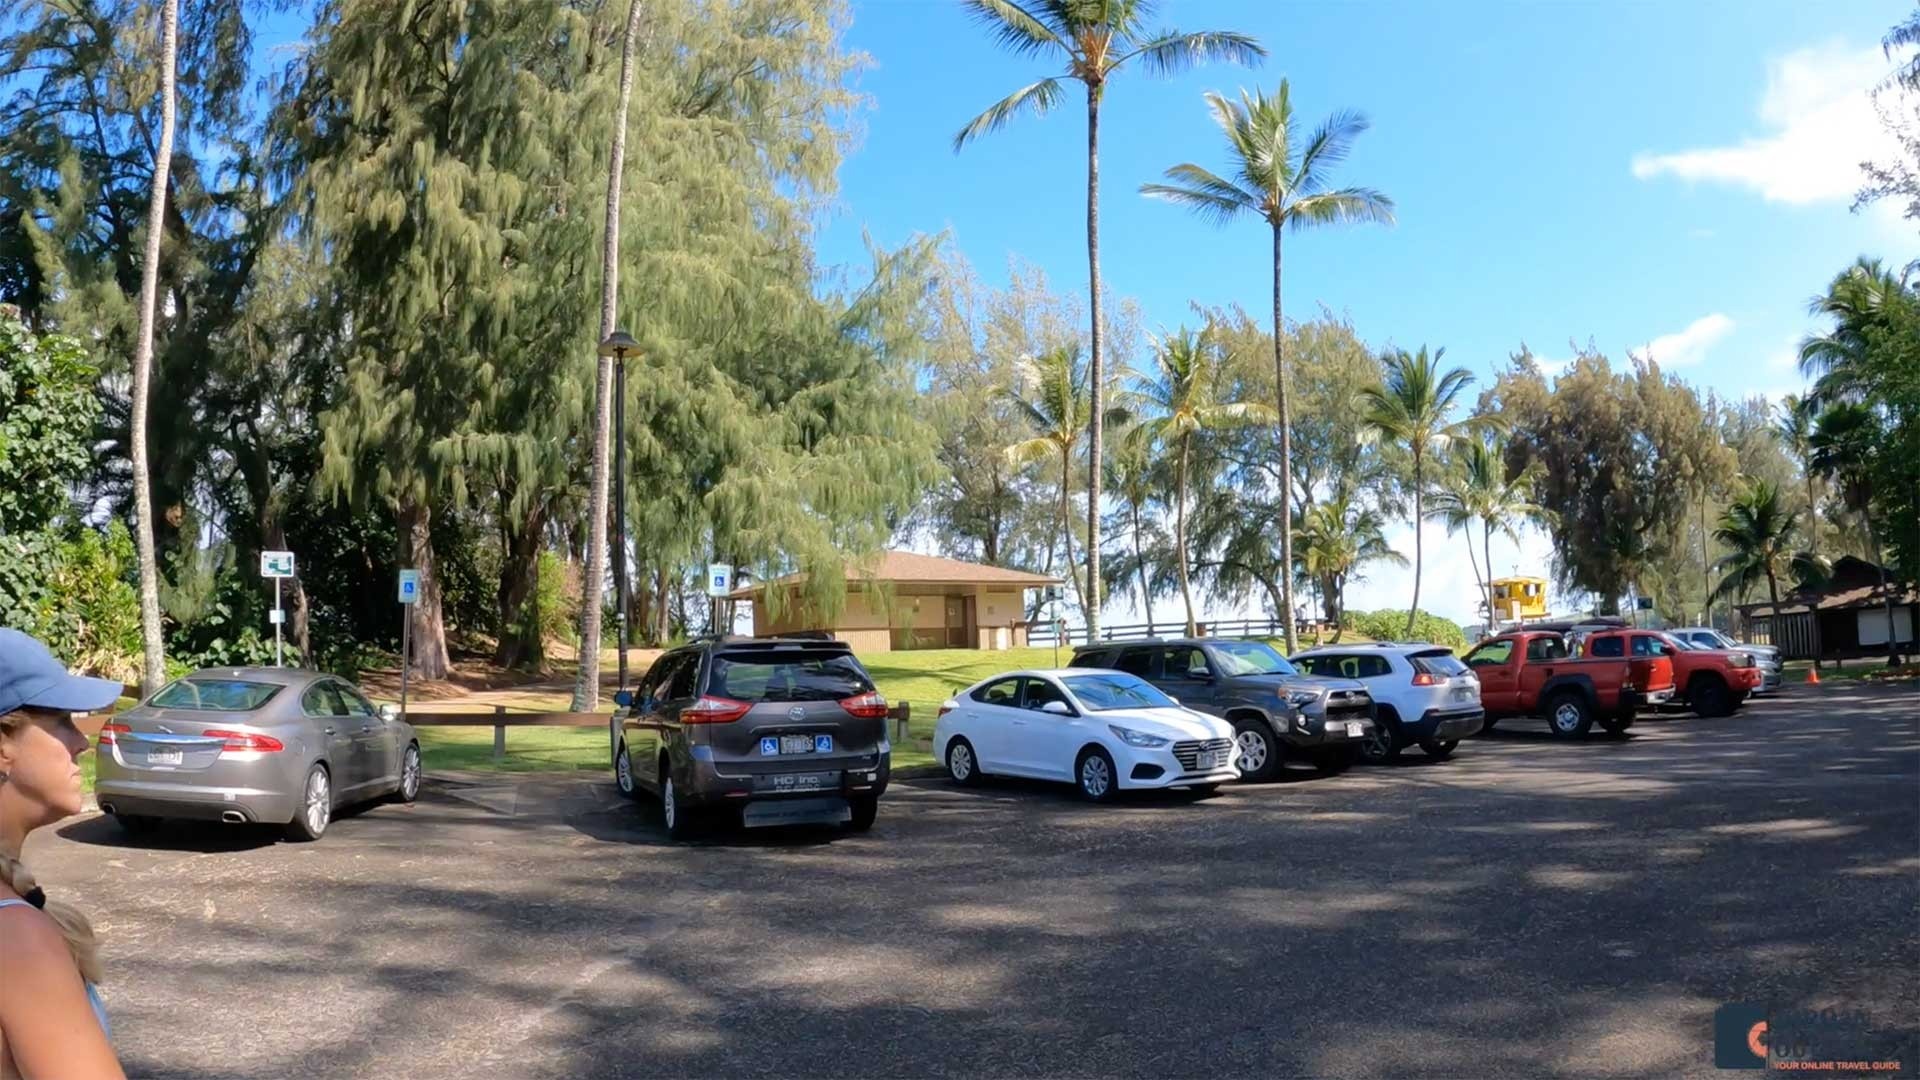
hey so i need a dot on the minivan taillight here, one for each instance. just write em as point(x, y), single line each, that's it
point(867, 706)
point(109, 731)
point(1425, 678)
point(714, 710)
point(240, 742)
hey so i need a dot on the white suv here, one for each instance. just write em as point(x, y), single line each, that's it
point(1423, 694)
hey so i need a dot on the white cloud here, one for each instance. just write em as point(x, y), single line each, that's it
point(1689, 346)
point(1819, 122)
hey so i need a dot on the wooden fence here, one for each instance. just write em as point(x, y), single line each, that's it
point(1043, 633)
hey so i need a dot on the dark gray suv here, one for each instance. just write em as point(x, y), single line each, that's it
point(755, 731)
point(1276, 711)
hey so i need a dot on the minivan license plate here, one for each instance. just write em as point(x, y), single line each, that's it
point(165, 757)
point(796, 744)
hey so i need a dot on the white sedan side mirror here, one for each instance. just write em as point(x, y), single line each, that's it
point(1057, 708)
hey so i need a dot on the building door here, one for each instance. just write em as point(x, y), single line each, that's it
point(956, 622)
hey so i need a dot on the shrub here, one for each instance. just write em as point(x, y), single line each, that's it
point(1389, 625)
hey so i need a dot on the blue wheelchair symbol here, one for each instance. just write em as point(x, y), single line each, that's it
point(770, 745)
point(823, 744)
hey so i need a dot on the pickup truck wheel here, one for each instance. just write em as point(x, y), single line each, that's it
point(1260, 756)
point(1569, 716)
point(1617, 724)
point(1381, 745)
point(1709, 697)
point(1441, 749)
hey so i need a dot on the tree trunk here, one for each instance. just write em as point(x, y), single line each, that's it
point(586, 686)
point(1486, 551)
point(1886, 591)
point(1180, 533)
point(1140, 564)
point(1286, 449)
point(1706, 567)
point(1340, 606)
point(1066, 534)
point(415, 521)
point(664, 633)
point(520, 642)
point(1096, 427)
point(1419, 482)
point(1486, 593)
point(154, 666)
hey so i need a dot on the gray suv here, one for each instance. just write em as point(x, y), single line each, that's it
point(1276, 711)
point(754, 731)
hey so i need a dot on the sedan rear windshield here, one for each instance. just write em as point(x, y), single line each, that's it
point(214, 695)
point(1115, 690)
point(1438, 662)
point(773, 676)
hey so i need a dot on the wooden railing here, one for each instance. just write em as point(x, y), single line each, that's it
point(1043, 633)
point(500, 720)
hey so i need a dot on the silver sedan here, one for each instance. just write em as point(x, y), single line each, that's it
point(271, 745)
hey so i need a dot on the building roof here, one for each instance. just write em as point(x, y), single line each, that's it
point(907, 568)
point(1855, 584)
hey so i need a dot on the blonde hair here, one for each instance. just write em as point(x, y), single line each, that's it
point(74, 926)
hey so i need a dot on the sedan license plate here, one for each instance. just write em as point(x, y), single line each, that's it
point(1355, 729)
point(1210, 760)
point(165, 757)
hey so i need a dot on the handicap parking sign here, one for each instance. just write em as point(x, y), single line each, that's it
point(770, 745)
point(823, 744)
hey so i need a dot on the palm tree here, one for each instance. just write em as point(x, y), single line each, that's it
point(1183, 396)
point(154, 669)
point(1284, 181)
point(1795, 428)
point(586, 684)
point(1460, 500)
point(1337, 538)
point(1841, 361)
point(1507, 503)
point(1844, 444)
point(1130, 474)
point(1093, 40)
point(1412, 405)
point(1757, 530)
point(1050, 394)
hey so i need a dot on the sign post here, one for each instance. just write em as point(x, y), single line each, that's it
point(276, 565)
point(719, 584)
point(409, 596)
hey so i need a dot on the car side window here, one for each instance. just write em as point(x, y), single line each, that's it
point(1371, 667)
point(1648, 645)
point(1546, 648)
point(355, 704)
point(680, 686)
point(322, 699)
point(1494, 654)
point(1609, 646)
point(1313, 665)
point(1184, 662)
point(1041, 691)
point(1002, 692)
point(1136, 662)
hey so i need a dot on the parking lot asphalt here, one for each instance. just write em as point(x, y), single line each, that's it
point(1532, 907)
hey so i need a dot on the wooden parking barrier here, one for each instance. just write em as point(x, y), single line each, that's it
point(901, 715)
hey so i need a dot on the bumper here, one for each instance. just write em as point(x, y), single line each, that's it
point(1148, 769)
point(1645, 699)
point(1446, 725)
point(1322, 734)
point(191, 802)
point(1770, 680)
point(790, 796)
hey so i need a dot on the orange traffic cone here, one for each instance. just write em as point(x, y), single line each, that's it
point(1813, 676)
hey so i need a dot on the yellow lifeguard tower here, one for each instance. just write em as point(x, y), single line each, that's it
point(1530, 593)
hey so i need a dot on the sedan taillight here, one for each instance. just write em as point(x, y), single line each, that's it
point(714, 710)
point(867, 706)
point(109, 731)
point(241, 742)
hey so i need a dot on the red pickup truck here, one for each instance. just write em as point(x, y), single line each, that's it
point(1529, 673)
point(1711, 682)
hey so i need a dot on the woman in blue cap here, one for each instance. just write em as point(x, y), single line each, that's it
point(51, 1020)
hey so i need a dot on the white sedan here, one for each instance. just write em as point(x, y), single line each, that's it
point(1102, 731)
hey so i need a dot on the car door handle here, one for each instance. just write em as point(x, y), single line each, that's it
point(329, 731)
point(367, 730)
point(1019, 723)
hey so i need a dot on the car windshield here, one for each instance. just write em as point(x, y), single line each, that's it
point(770, 676)
point(1251, 658)
point(1113, 690)
point(214, 695)
point(1724, 641)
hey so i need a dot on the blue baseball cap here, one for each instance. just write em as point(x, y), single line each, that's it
point(30, 676)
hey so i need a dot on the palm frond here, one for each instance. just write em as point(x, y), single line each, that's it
point(1330, 144)
point(1171, 52)
point(1345, 206)
point(1028, 451)
point(1237, 413)
point(1213, 197)
point(1014, 28)
point(1037, 98)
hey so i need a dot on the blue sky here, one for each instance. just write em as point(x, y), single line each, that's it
point(1673, 175)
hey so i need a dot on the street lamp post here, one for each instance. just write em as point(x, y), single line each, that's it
point(618, 345)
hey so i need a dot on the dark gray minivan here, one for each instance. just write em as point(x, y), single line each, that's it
point(755, 731)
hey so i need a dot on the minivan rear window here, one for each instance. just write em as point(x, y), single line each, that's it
point(776, 676)
point(1438, 662)
point(214, 695)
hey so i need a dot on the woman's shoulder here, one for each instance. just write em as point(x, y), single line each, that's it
point(29, 938)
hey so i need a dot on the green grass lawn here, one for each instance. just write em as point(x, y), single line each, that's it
point(1795, 671)
point(927, 677)
point(529, 749)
